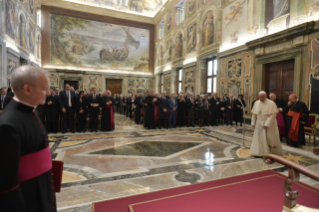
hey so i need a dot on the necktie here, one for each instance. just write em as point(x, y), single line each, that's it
point(1, 102)
point(94, 96)
point(231, 103)
point(69, 97)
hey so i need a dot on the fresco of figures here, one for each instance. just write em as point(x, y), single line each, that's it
point(229, 23)
point(144, 7)
point(18, 22)
point(93, 44)
point(208, 29)
point(191, 38)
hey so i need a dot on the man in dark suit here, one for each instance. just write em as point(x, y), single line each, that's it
point(5, 99)
point(190, 103)
point(67, 104)
point(230, 109)
point(214, 102)
point(94, 106)
point(172, 109)
point(207, 110)
point(163, 110)
point(52, 111)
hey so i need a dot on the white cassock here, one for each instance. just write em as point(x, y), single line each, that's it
point(265, 141)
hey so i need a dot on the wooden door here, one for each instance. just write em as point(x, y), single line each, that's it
point(280, 79)
point(114, 85)
point(75, 84)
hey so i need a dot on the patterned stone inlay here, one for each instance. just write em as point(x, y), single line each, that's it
point(148, 148)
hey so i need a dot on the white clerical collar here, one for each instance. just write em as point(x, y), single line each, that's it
point(24, 103)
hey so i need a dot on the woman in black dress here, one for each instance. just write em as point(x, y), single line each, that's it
point(181, 110)
point(200, 111)
point(81, 112)
point(239, 109)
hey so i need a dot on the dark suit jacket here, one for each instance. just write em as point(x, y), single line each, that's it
point(6, 101)
point(171, 105)
point(228, 103)
point(97, 100)
point(163, 103)
point(64, 101)
point(54, 107)
point(189, 104)
point(213, 103)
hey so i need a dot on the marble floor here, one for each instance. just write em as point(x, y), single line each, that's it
point(131, 160)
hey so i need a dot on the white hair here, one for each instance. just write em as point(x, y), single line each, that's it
point(263, 92)
point(26, 75)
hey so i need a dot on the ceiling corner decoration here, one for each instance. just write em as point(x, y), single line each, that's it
point(147, 8)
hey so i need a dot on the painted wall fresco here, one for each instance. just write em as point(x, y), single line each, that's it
point(189, 80)
point(200, 29)
point(167, 83)
point(235, 76)
point(13, 62)
point(137, 85)
point(234, 24)
point(92, 81)
point(18, 25)
point(85, 43)
point(142, 7)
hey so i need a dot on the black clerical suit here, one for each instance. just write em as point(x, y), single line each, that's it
point(52, 113)
point(214, 110)
point(138, 107)
point(67, 101)
point(163, 104)
point(150, 114)
point(4, 101)
point(230, 105)
point(206, 112)
point(190, 111)
point(41, 110)
point(22, 133)
point(94, 111)
point(81, 111)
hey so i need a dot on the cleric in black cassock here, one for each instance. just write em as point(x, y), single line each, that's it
point(26, 185)
point(297, 118)
point(107, 119)
point(149, 103)
point(138, 107)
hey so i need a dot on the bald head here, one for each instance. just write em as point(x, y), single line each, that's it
point(272, 96)
point(30, 84)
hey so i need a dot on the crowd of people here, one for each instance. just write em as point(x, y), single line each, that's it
point(157, 111)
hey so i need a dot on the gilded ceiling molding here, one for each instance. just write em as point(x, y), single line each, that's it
point(97, 10)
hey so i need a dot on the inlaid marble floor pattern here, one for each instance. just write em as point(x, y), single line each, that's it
point(101, 166)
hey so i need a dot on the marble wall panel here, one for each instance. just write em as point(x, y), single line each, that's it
point(314, 54)
point(234, 69)
point(189, 79)
point(92, 81)
point(54, 80)
point(13, 62)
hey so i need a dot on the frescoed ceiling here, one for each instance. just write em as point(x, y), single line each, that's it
point(147, 8)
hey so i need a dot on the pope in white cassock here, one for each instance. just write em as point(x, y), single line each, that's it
point(266, 135)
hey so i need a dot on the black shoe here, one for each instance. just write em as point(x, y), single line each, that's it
point(159, 128)
point(63, 132)
point(91, 130)
point(241, 125)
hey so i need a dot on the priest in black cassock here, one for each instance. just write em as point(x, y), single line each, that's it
point(149, 103)
point(26, 183)
point(138, 107)
point(52, 112)
point(297, 118)
point(107, 119)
